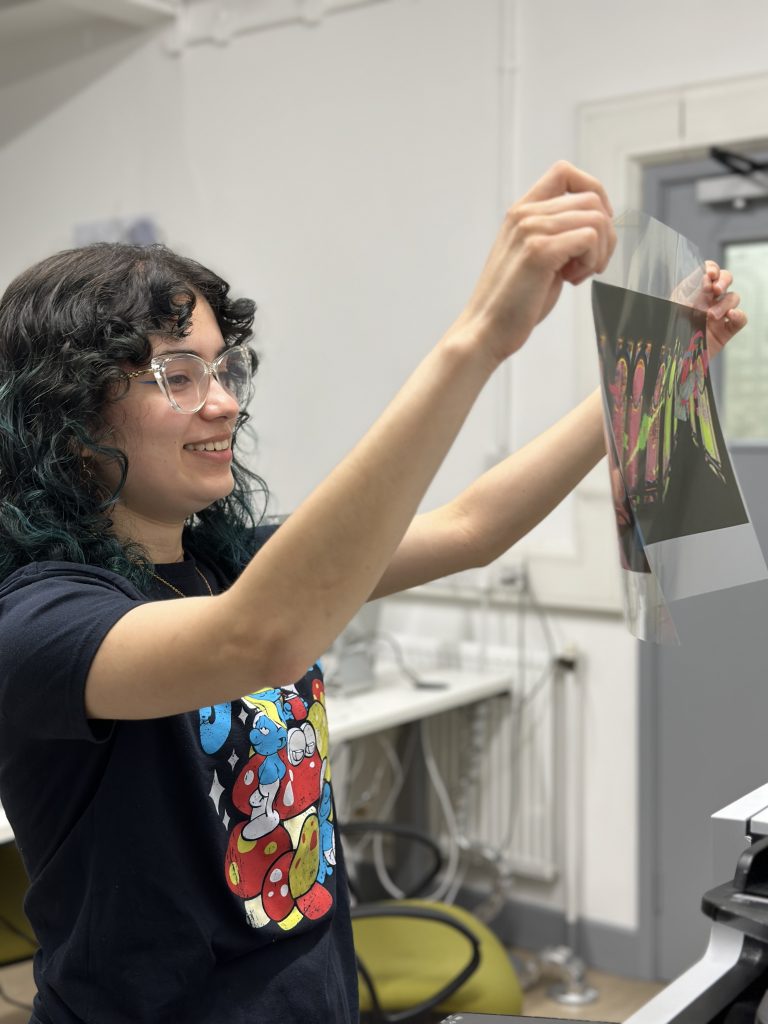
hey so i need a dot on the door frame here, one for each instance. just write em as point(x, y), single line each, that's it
point(616, 140)
point(656, 176)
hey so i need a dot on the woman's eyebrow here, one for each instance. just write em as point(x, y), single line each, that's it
point(173, 352)
point(184, 352)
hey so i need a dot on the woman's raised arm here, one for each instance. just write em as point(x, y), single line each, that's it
point(302, 588)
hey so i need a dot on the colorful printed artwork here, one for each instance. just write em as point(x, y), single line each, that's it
point(671, 473)
point(281, 853)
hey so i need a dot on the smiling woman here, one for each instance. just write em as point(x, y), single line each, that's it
point(175, 430)
point(163, 746)
point(74, 328)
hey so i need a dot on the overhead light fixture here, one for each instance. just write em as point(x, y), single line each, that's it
point(748, 180)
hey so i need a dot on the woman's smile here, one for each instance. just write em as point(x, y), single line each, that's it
point(219, 449)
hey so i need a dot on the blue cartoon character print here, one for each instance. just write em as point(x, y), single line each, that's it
point(327, 835)
point(267, 738)
point(281, 854)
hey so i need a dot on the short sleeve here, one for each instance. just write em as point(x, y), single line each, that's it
point(260, 534)
point(53, 619)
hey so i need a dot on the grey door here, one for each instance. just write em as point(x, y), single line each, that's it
point(703, 706)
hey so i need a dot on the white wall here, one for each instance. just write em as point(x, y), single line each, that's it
point(343, 175)
point(350, 177)
point(571, 55)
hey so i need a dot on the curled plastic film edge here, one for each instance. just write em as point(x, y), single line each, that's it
point(683, 526)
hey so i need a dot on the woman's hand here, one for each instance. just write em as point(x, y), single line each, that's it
point(710, 294)
point(724, 319)
point(559, 231)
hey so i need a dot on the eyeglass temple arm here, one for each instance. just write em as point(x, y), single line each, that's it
point(136, 373)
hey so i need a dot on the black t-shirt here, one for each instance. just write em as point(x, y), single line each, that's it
point(183, 869)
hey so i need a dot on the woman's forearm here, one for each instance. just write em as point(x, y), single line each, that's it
point(326, 559)
point(305, 584)
point(501, 506)
point(505, 503)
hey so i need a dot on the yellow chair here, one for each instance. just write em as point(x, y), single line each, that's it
point(418, 957)
point(16, 940)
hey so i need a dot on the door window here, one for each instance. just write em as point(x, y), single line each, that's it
point(745, 363)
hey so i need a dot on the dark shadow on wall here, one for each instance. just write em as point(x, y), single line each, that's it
point(44, 67)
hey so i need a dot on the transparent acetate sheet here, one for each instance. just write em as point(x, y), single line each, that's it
point(683, 525)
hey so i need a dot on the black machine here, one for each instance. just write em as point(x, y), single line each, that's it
point(729, 984)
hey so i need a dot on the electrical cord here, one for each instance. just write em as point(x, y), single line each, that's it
point(453, 864)
point(374, 786)
point(544, 621)
point(495, 858)
point(521, 702)
point(382, 873)
point(456, 819)
point(448, 813)
point(470, 782)
point(400, 770)
point(411, 674)
point(525, 735)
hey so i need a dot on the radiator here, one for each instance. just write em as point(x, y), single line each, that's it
point(499, 763)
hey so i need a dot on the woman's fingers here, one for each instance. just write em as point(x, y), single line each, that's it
point(537, 223)
point(716, 280)
point(724, 305)
point(703, 290)
point(560, 231)
point(561, 203)
point(736, 321)
point(563, 177)
point(720, 331)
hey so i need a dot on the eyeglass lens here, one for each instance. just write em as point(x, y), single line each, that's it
point(186, 380)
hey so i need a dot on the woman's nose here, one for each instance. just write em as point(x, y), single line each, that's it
point(219, 401)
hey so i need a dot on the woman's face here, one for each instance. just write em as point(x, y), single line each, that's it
point(169, 476)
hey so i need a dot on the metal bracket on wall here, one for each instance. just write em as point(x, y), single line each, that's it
point(219, 21)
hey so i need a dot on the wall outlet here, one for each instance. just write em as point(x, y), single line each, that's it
point(512, 575)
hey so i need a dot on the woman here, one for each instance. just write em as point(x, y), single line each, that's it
point(179, 836)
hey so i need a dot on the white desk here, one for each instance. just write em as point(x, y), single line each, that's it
point(394, 700)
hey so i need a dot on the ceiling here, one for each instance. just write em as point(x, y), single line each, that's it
point(23, 20)
point(35, 34)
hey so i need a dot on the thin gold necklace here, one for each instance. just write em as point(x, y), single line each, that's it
point(176, 589)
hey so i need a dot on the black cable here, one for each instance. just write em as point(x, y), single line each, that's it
point(410, 674)
point(739, 163)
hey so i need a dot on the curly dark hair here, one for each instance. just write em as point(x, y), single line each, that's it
point(68, 326)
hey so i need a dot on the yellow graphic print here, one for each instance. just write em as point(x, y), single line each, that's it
point(281, 856)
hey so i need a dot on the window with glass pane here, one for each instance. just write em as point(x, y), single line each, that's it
point(744, 405)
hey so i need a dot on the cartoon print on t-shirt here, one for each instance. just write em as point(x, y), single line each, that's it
point(280, 856)
point(327, 836)
point(267, 738)
point(215, 725)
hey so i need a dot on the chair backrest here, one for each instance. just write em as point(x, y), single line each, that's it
point(410, 859)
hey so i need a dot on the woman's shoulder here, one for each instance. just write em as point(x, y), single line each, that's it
point(75, 574)
point(253, 540)
point(259, 535)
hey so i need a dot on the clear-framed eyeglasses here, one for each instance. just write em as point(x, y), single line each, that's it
point(185, 378)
